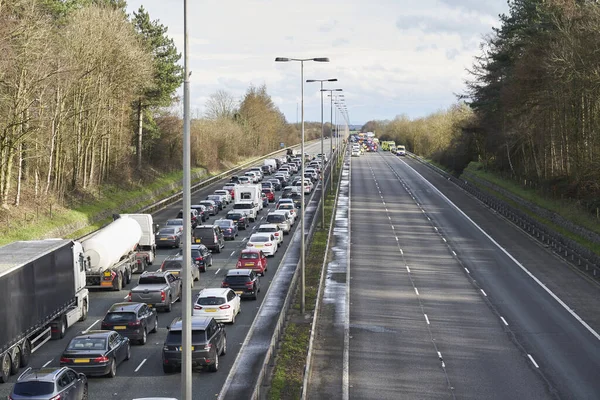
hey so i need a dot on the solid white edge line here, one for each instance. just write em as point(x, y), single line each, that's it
point(417, 291)
point(483, 292)
point(440, 355)
point(444, 239)
point(503, 320)
point(536, 280)
point(426, 319)
point(453, 252)
point(90, 327)
point(217, 271)
point(232, 253)
point(408, 269)
point(467, 271)
point(401, 252)
point(140, 366)
point(346, 355)
point(533, 361)
point(45, 365)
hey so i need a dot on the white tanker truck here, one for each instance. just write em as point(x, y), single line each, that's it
point(111, 254)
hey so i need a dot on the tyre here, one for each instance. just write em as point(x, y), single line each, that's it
point(155, 327)
point(25, 353)
point(118, 285)
point(128, 276)
point(128, 355)
point(84, 311)
point(144, 338)
point(62, 328)
point(113, 369)
point(169, 306)
point(5, 368)
point(215, 366)
point(85, 392)
point(14, 361)
point(167, 369)
point(224, 349)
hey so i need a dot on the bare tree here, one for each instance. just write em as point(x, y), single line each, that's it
point(220, 105)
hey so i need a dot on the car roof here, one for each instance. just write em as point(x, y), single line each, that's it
point(209, 292)
point(269, 226)
point(281, 212)
point(197, 246)
point(198, 322)
point(154, 273)
point(250, 250)
point(239, 272)
point(204, 226)
point(260, 234)
point(48, 374)
point(127, 307)
point(94, 334)
point(285, 201)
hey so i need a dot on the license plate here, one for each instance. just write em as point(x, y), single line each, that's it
point(174, 272)
point(181, 348)
point(249, 264)
point(81, 360)
point(149, 305)
point(198, 240)
point(119, 327)
point(107, 273)
point(239, 292)
point(210, 310)
point(163, 238)
point(258, 246)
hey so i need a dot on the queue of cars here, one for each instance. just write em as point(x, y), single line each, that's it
point(100, 352)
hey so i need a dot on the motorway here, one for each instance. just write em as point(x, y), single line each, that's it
point(142, 375)
point(451, 304)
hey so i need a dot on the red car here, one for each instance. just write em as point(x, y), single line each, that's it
point(270, 195)
point(253, 259)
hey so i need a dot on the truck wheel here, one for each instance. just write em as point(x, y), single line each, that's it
point(128, 275)
point(25, 353)
point(5, 368)
point(61, 327)
point(84, 311)
point(14, 361)
point(119, 282)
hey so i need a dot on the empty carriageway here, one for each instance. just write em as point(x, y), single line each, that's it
point(419, 327)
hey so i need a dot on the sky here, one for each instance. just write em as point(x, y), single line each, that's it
point(391, 57)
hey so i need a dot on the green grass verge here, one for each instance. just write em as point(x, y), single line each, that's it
point(566, 210)
point(286, 383)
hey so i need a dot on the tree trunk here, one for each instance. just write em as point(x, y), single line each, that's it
point(19, 176)
point(139, 136)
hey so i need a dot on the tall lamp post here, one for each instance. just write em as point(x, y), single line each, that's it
point(336, 99)
point(302, 244)
point(322, 150)
point(331, 133)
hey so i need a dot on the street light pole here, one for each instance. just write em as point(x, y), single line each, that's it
point(322, 150)
point(186, 322)
point(302, 206)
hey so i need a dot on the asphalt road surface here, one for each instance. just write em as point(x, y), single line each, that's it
point(441, 310)
point(142, 375)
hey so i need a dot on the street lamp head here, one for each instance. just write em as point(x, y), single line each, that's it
point(312, 80)
point(321, 59)
point(282, 59)
point(332, 80)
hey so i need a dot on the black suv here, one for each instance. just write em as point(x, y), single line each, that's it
point(209, 235)
point(209, 341)
point(244, 282)
point(132, 320)
point(240, 218)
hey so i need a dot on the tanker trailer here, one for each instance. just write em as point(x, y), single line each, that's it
point(111, 254)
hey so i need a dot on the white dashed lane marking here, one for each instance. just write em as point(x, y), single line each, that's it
point(533, 361)
point(426, 318)
point(45, 365)
point(503, 320)
point(140, 366)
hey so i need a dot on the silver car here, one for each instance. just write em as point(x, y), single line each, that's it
point(50, 383)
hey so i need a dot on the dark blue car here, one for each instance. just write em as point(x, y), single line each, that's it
point(229, 228)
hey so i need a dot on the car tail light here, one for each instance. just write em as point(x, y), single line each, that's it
point(239, 264)
point(276, 234)
point(136, 323)
point(225, 307)
point(57, 397)
point(249, 284)
point(163, 296)
point(268, 244)
point(129, 297)
point(207, 347)
point(65, 360)
point(101, 359)
point(224, 284)
point(249, 244)
point(197, 307)
point(216, 239)
point(200, 259)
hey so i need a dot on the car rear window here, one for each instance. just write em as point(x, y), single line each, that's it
point(249, 256)
point(151, 280)
point(174, 337)
point(234, 216)
point(86, 343)
point(223, 224)
point(243, 206)
point(120, 317)
point(166, 232)
point(169, 265)
point(211, 301)
point(237, 279)
point(33, 388)
point(267, 230)
point(174, 222)
point(275, 218)
point(259, 239)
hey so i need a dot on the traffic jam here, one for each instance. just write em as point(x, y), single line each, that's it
point(123, 285)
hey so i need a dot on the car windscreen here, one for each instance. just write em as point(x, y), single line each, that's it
point(207, 204)
point(214, 197)
point(249, 256)
point(243, 206)
point(87, 343)
point(120, 317)
point(210, 301)
point(174, 337)
point(33, 388)
point(171, 265)
point(151, 280)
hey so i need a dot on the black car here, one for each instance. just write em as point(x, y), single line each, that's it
point(96, 353)
point(201, 256)
point(211, 207)
point(50, 383)
point(202, 213)
point(266, 170)
point(209, 341)
point(240, 219)
point(133, 320)
point(234, 179)
point(217, 199)
point(193, 217)
point(244, 282)
point(297, 198)
point(168, 237)
point(209, 235)
point(276, 183)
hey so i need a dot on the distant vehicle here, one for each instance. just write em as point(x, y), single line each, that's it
point(201, 255)
point(253, 259)
point(169, 237)
point(96, 353)
point(132, 320)
point(273, 229)
point(209, 235)
point(400, 150)
point(266, 242)
point(226, 193)
point(209, 341)
point(280, 220)
point(248, 207)
point(276, 183)
point(193, 217)
point(243, 282)
point(270, 195)
point(50, 384)
point(229, 228)
point(174, 265)
point(175, 223)
point(211, 206)
point(146, 249)
point(220, 303)
point(202, 212)
point(240, 218)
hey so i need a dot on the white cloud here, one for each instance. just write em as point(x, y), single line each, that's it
point(391, 57)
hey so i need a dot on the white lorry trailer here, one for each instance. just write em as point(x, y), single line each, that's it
point(146, 250)
point(42, 293)
point(111, 254)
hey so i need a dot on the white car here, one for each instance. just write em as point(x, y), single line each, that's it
point(287, 215)
point(265, 242)
point(253, 176)
point(247, 207)
point(225, 193)
point(220, 303)
point(288, 206)
point(272, 228)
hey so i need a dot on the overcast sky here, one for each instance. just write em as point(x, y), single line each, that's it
point(391, 57)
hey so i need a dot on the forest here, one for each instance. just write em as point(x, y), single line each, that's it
point(531, 110)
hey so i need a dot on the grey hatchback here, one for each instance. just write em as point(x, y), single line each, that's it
point(50, 383)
